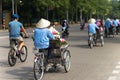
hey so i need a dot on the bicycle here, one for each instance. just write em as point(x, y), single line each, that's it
point(41, 60)
point(91, 40)
point(14, 53)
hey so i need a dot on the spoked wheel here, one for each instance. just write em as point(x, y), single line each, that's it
point(67, 63)
point(102, 41)
point(23, 54)
point(11, 57)
point(38, 70)
point(91, 45)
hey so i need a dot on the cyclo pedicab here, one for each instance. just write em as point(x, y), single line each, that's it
point(100, 36)
point(60, 55)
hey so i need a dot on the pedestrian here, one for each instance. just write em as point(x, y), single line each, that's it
point(82, 24)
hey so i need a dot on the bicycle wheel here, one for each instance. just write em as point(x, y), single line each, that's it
point(23, 54)
point(38, 69)
point(102, 41)
point(11, 57)
point(67, 63)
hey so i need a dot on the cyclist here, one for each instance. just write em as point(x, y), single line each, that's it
point(14, 31)
point(115, 23)
point(107, 27)
point(42, 35)
point(92, 28)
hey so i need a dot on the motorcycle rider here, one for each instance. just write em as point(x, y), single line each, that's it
point(65, 27)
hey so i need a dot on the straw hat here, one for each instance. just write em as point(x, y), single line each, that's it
point(43, 23)
point(92, 20)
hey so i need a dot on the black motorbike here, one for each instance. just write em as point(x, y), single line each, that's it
point(65, 32)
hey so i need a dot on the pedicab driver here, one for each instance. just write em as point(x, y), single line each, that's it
point(92, 27)
point(42, 35)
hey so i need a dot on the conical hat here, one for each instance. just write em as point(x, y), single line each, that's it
point(43, 23)
point(92, 20)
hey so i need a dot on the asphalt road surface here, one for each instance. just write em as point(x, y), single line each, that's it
point(99, 63)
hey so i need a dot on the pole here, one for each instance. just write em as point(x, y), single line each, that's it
point(12, 6)
point(67, 14)
point(16, 6)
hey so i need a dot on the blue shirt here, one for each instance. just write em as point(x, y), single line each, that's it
point(107, 24)
point(42, 37)
point(92, 28)
point(14, 28)
point(115, 23)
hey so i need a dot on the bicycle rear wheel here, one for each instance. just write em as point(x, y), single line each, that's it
point(23, 54)
point(11, 58)
point(38, 69)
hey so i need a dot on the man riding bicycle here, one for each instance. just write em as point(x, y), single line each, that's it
point(14, 31)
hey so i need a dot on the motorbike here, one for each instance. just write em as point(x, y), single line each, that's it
point(65, 32)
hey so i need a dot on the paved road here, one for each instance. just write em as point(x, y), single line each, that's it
point(99, 63)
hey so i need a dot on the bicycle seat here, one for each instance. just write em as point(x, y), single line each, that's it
point(42, 50)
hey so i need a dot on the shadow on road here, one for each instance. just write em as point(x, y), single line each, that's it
point(85, 46)
point(24, 73)
point(4, 64)
point(4, 46)
point(81, 46)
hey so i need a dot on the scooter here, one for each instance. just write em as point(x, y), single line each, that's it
point(65, 32)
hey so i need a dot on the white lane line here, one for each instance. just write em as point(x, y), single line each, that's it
point(117, 67)
point(112, 78)
point(115, 72)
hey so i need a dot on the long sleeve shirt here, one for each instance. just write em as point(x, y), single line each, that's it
point(92, 28)
point(42, 36)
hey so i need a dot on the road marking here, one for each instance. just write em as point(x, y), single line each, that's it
point(112, 78)
point(115, 72)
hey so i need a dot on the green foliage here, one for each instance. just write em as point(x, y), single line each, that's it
point(35, 9)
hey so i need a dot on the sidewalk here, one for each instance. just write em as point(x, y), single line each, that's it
point(1, 30)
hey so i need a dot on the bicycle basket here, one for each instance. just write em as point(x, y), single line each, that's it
point(55, 43)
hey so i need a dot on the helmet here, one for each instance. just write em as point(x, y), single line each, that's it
point(15, 16)
point(65, 20)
